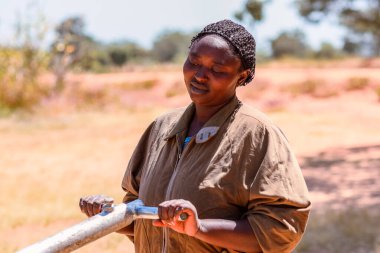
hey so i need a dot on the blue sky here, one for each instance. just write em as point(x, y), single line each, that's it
point(141, 21)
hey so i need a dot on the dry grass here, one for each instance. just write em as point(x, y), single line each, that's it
point(353, 230)
point(81, 95)
point(85, 97)
point(141, 85)
point(19, 71)
point(23, 94)
point(343, 62)
point(316, 88)
point(377, 91)
point(357, 83)
point(177, 88)
point(47, 164)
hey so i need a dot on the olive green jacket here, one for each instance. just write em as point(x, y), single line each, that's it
point(239, 165)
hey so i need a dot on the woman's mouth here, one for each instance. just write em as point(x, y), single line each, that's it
point(198, 88)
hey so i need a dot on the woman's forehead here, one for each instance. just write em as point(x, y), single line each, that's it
point(214, 46)
point(213, 40)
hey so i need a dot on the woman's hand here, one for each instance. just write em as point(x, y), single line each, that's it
point(92, 205)
point(169, 213)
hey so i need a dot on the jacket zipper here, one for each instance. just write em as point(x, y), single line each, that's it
point(168, 190)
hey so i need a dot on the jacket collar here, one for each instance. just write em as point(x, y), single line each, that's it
point(216, 121)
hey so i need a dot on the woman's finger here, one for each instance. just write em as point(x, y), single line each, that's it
point(158, 223)
point(81, 205)
point(171, 212)
point(96, 207)
point(107, 200)
point(91, 205)
point(89, 208)
point(163, 214)
point(85, 209)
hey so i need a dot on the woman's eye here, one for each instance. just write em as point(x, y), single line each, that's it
point(193, 62)
point(217, 70)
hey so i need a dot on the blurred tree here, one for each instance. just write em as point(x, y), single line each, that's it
point(22, 62)
point(253, 10)
point(362, 17)
point(327, 51)
point(126, 51)
point(67, 47)
point(289, 44)
point(93, 56)
point(118, 56)
point(350, 47)
point(171, 46)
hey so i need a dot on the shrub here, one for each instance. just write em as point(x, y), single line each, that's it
point(291, 43)
point(19, 71)
point(171, 46)
point(377, 91)
point(357, 83)
point(21, 65)
point(118, 57)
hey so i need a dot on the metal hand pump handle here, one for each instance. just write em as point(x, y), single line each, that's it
point(111, 219)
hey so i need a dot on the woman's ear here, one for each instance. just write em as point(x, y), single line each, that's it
point(242, 77)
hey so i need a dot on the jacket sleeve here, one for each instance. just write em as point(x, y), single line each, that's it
point(278, 205)
point(132, 176)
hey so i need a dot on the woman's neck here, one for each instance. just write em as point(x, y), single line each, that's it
point(202, 115)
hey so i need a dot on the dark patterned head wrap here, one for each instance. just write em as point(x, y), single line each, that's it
point(237, 36)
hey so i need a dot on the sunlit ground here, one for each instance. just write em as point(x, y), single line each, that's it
point(74, 146)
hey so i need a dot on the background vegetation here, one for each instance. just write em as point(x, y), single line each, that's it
point(74, 50)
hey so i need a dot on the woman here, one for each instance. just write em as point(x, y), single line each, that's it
point(221, 162)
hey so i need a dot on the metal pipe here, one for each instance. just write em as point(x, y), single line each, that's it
point(111, 219)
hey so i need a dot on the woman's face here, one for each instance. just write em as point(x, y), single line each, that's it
point(212, 71)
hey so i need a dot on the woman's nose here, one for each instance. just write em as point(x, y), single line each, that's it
point(201, 74)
